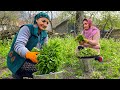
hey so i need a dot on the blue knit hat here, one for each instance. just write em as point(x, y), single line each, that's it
point(39, 15)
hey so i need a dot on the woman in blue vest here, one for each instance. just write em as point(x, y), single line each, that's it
point(21, 60)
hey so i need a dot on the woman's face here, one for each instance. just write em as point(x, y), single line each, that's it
point(42, 23)
point(85, 25)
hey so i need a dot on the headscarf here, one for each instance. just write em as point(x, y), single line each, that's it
point(91, 31)
point(39, 15)
point(89, 21)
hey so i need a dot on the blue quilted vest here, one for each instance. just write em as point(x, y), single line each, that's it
point(14, 60)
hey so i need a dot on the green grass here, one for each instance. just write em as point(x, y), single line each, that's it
point(4, 49)
point(5, 74)
point(108, 69)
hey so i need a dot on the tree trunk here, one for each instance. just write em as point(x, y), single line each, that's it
point(79, 19)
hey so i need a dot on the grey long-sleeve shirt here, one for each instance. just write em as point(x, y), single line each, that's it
point(22, 40)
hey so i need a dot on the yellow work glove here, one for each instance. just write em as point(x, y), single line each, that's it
point(32, 56)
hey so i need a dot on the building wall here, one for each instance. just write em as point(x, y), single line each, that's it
point(62, 28)
point(115, 34)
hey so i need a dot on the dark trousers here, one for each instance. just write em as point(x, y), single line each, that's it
point(26, 70)
point(80, 47)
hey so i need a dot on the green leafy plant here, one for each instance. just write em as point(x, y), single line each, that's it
point(88, 52)
point(49, 59)
point(79, 38)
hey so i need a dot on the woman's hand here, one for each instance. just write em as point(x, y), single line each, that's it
point(81, 43)
point(86, 40)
